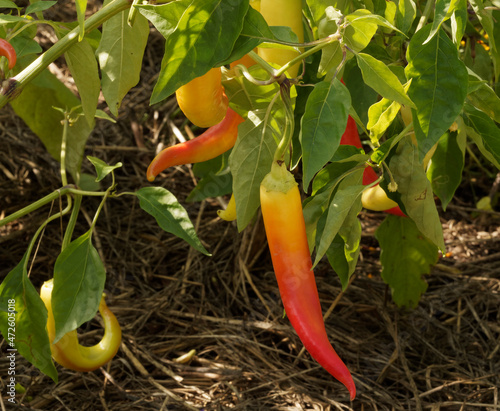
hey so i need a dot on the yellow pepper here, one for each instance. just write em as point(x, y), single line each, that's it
point(283, 13)
point(203, 100)
point(68, 352)
point(229, 214)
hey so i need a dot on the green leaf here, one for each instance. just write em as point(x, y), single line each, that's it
point(79, 277)
point(39, 6)
point(34, 106)
point(195, 40)
point(416, 191)
point(8, 4)
point(347, 197)
point(362, 96)
point(322, 126)
point(438, 87)
point(380, 117)
point(215, 179)
point(252, 157)
point(489, 24)
point(83, 67)
point(120, 55)
point(81, 6)
point(459, 22)
point(327, 177)
point(381, 79)
point(102, 168)
point(364, 16)
point(104, 116)
point(25, 46)
point(405, 15)
point(87, 183)
point(477, 60)
point(331, 55)
point(445, 168)
point(485, 99)
point(254, 30)
point(343, 253)
point(359, 32)
point(7, 18)
point(484, 132)
point(406, 255)
point(169, 214)
point(442, 12)
point(31, 338)
point(320, 8)
point(324, 185)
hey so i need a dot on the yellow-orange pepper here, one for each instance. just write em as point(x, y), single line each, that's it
point(283, 13)
point(68, 352)
point(203, 100)
point(229, 214)
point(281, 207)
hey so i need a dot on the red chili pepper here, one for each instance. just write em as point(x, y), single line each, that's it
point(8, 51)
point(286, 235)
point(351, 137)
point(213, 142)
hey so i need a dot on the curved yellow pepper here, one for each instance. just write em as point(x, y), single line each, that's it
point(229, 214)
point(283, 13)
point(203, 100)
point(68, 352)
point(375, 198)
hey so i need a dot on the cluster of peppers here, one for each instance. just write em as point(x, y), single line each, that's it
point(279, 194)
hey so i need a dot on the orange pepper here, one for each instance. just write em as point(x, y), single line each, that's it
point(203, 100)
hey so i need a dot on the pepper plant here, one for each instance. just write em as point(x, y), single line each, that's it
point(418, 82)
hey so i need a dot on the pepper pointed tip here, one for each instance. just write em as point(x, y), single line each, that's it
point(150, 177)
point(352, 389)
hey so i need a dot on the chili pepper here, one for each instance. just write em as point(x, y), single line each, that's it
point(8, 51)
point(68, 352)
point(203, 100)
point(229, 214)
point(373, 198)
point(286, 235)
point(213, 142)
point(351, 135)
point(283, 13)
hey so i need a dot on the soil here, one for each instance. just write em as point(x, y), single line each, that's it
point(170, 300)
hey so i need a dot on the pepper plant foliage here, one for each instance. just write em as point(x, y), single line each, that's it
point(419, 79)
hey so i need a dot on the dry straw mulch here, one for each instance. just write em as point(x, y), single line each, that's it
point(170, 300)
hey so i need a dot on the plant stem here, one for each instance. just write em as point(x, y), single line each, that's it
point(425, 15)
point(40, 230)
point(47, 199)
point(43, 61)
point(72, 222)
point(307, 53)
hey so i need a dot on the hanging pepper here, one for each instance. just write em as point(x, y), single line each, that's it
point(213, 142)
point(68, 352)
point(8, 51)
point(203, 100)
point(283, 13)
point(373, 198)
point(229, 214)
point(286, 235)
